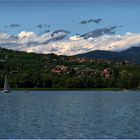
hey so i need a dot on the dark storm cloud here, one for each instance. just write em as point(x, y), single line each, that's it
point(99, 32)
point(12, 25)
point(57, 32)
point(97, 21)
point(43, 26)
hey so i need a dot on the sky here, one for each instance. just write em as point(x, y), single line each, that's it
point(69, 27)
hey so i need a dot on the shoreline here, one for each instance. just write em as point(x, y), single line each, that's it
point(75, 89)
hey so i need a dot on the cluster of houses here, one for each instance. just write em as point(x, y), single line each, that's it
point(80, 60)
point(76, 67)
point(78, 71)
point(60, 69)
point(86, 60)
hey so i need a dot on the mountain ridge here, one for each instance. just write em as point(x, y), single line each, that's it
point(132, 54)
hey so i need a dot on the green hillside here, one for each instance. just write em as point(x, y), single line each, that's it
point(30, 70)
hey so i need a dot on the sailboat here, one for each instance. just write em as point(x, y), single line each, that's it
point(6, 86)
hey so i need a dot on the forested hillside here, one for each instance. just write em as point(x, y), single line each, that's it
point(30, 70)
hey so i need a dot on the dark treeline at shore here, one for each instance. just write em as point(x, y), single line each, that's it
point(30, 70)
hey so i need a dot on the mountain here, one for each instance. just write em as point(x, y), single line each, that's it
point(132, 54)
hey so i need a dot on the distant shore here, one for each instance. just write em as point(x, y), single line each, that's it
point(78, 89)
point(72, 89)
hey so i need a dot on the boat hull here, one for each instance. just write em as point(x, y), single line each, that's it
point(5, 91)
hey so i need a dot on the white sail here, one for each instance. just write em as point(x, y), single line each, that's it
point(6, 85)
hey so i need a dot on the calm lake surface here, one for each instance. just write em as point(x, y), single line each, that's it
point(70, 114)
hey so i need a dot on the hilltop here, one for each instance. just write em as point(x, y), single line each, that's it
point(131, 54)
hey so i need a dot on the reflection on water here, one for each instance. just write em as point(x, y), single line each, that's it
point(70, 114)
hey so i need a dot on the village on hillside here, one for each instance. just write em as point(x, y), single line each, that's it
point(30, 70)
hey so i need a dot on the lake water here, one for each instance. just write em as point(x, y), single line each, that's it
point(70, 114)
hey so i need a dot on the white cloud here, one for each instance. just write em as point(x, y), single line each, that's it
point(3, 36)
point(46, 43)
point(76, 37)
point(26, 34)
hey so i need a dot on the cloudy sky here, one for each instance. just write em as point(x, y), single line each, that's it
point(69, 27)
